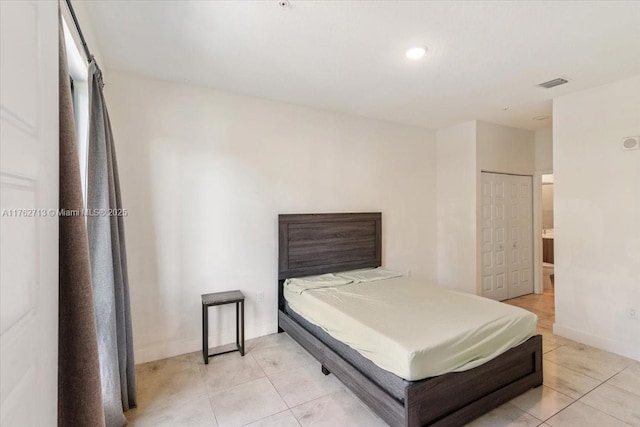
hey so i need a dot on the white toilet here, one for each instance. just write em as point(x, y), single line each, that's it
point(547, 271)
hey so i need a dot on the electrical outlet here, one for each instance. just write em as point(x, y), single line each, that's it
point(261, 296)
point(633, 313)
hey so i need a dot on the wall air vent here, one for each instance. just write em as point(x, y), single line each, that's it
point(555, 82)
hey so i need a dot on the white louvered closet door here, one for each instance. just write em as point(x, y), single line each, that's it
point(506, 236)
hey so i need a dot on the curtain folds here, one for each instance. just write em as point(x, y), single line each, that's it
point(108, 261)
point(79, 391)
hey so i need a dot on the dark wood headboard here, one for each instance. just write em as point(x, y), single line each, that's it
point(311, 244)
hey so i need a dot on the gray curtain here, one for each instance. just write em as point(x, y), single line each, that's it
point(79, 392)
point(108, 261)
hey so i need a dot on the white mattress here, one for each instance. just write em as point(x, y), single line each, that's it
point(410, 328)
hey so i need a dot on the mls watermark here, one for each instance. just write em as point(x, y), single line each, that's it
point(41, 213)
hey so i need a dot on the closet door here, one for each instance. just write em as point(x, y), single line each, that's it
point(520, 236)
point(494, 237)
point(506, 236)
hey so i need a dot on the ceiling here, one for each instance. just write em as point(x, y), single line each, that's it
point(484, 59)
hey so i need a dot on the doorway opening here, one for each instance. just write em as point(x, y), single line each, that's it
point(548, 260)
point(542, 303)
point(546, 202)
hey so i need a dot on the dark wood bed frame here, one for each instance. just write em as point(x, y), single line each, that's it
point(324, 243)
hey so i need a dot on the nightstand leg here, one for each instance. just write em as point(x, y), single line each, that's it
point(238, 325)
point(242, 329)
point(205, 334)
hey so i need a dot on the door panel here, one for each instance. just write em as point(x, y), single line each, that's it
point(506, 236)
point(522, 225)
point(494, 224)
point(28, 227)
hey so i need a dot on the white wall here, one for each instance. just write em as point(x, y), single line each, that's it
point(597, 211)
point(544, 150)
point(456, 206)
point(204, 175)
point(505, 149)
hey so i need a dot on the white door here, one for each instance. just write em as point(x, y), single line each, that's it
point(507, 229)
point(494, 237)
point(28, 189)
point(520, 236)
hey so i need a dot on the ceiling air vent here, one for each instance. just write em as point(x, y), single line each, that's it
point(555, 82)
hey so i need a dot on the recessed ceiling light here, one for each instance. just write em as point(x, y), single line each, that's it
point(416, 52)
point(540, 118)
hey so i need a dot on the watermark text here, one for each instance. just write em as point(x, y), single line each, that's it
point(42, 213)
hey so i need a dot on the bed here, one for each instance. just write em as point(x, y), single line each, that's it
point(314, 244)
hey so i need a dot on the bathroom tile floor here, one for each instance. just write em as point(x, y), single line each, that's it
point(277, 383)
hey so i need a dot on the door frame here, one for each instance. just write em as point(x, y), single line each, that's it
point(536, 216)
point(537, 229)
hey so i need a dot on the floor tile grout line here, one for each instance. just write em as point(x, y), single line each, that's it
point(570, 404)
point(616, 374)
point(256, 362)
point(598, 409)
point(619, 388)
point(213, 411)
point(299, 367)
point(263, 418)
point(533, 415)
point(579, 372)
point(294, 415)
point(235, 385)
point(232, 386)
point(278, 392)
point(627, 361)
point(291, 369)
point(244, 383)
point(577, 398)
point(288, 369)
point(318, 398)
point(277, 344)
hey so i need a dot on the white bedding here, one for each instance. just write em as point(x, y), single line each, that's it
point(408, 327)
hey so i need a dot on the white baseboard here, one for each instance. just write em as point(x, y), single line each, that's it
point(625, 349)
point(166, 349)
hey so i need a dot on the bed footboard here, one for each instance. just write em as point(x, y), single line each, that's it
point(458, 397)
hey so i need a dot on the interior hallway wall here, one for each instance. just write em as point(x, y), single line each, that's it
point(596, 209)
point(544, 150)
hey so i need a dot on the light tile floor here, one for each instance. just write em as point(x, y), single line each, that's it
point(277, 383)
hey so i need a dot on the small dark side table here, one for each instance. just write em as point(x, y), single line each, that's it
point(221, 298)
